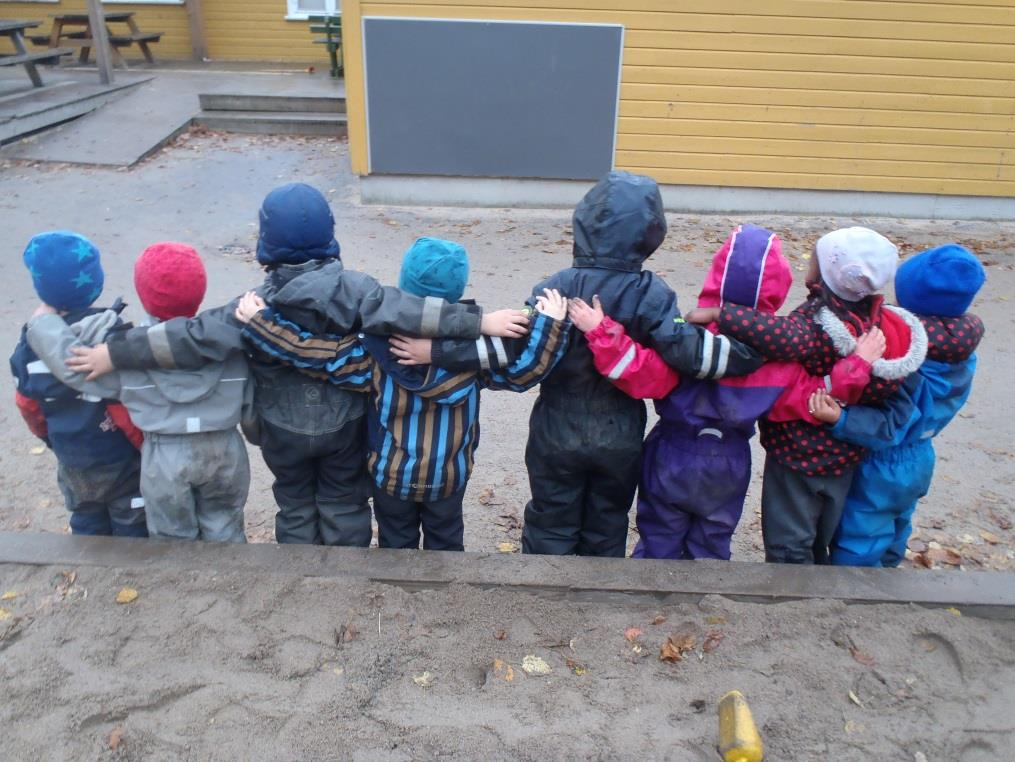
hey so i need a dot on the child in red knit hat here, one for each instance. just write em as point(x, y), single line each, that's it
point(194, 469)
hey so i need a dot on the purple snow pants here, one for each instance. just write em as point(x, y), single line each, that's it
point(691, 493)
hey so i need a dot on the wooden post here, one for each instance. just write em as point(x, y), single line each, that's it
point(198, 41)
point(100, 41)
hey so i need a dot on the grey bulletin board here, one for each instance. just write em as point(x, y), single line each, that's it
point(491, 99)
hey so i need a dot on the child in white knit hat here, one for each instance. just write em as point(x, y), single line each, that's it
point(807, 471)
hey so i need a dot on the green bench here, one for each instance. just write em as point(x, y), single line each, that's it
point(331, 28)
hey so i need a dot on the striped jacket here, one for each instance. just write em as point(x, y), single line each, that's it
point(423, 421)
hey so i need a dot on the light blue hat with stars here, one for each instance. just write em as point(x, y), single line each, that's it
point(65, 268)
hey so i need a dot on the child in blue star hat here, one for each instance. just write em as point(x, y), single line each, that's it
point(95, 443)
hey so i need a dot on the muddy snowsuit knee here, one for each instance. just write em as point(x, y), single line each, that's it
point(696, 462)
point(585, 436)
point(194, 469)
point(98, 467)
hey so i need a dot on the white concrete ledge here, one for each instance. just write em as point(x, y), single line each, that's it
point(413, 190)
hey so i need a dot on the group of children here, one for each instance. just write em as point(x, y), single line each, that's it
point(358, 393)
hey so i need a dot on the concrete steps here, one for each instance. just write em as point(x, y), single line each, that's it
point(273, 114)
point(37, 109)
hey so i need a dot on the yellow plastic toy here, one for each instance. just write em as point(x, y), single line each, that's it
point(739, 740)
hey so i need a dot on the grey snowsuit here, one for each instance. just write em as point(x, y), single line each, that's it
point(312, 433)
point(194, 469)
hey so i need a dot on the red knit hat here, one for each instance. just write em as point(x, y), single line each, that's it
point(170, 280)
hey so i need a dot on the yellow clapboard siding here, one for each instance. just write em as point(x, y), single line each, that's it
point(723, 60)
point(257, 30)
point(713, 22)
point(950, 50)
point(733, 176)
point(171, 20)
point(882, 10)
point(806, 80)
point(677, 129)
point(766, 162)
point(771, 146)
point(836, 99)
point(881, 95)
point(653, 116)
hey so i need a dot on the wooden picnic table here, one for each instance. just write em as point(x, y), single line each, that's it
point(74, 30)
point(15, 30)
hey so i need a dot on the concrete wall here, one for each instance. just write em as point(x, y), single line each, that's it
point(902, 96)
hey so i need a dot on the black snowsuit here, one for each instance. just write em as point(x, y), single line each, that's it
point(585, 436)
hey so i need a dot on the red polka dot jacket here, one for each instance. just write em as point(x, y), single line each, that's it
point(816, 334)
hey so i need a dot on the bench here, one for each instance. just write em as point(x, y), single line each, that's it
point(15, 31)
point(74, 30)
point(20, 59)
point(331, 28)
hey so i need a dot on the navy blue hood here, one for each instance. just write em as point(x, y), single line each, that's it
point(619, 223)
point(296, 226)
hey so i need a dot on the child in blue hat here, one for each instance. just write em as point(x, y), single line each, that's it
point(422, 421)
point(95, 443)
point(938, 286)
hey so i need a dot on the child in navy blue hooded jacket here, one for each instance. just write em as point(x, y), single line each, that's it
point(312, 433)
point(98, 462)
point(585, 435)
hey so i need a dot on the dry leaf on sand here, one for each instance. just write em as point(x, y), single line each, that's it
point(676, 646)
point(115, 738)
point(533, 665)
point(127, 595)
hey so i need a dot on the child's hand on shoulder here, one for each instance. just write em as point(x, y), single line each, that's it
point(824, 407)
point(508, 324)
point(552, 304)
point(586, 318)
point(702, 315)
point(249, 306)
point(411, 351)
point(871, 345)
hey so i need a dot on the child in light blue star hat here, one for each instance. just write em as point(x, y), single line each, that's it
point(95, 443)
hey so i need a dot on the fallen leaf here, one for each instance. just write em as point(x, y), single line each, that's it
point(715, 619)
point(507, 547)
point(500, 635)
point(503, 670)
point(659, 619)
point(345, 634)
point(676, 646)
point(953, 611)
point(533, 665)
point(10, 595)
point(425, 680)
point(1002, 522)
point(38, 450)
point(928, 645)
point(854, 727)
point(855, 699)
point(989, 537)
point(5, 614)
point(712, 641)
point(486, 496)
point(631, 634)
point(944, 556)
point(576, 666)
point(115, 738)
point(337, 671)
point(127, 595)
point(860, 657)
point(920, 559)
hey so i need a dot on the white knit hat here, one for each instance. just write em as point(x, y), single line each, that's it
point(856, 262)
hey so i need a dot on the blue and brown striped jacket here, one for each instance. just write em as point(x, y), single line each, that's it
point(423, 421)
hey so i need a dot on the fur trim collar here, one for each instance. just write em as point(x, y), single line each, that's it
point(890, 370)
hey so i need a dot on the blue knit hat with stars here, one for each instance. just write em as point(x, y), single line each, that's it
point(65, 269)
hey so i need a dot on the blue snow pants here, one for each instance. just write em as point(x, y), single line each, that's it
point(876, 522)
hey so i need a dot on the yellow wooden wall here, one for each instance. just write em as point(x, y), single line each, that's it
point(877, 95)
point(170, 19)
point(257, 30)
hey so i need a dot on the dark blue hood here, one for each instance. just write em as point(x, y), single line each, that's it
point(619, 223)
point(296, 226)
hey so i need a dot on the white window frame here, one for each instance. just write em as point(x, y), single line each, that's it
point(293, 12)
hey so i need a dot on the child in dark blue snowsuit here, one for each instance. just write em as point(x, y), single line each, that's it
point(938, 286)
point(98, 466)
point(585, 435)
